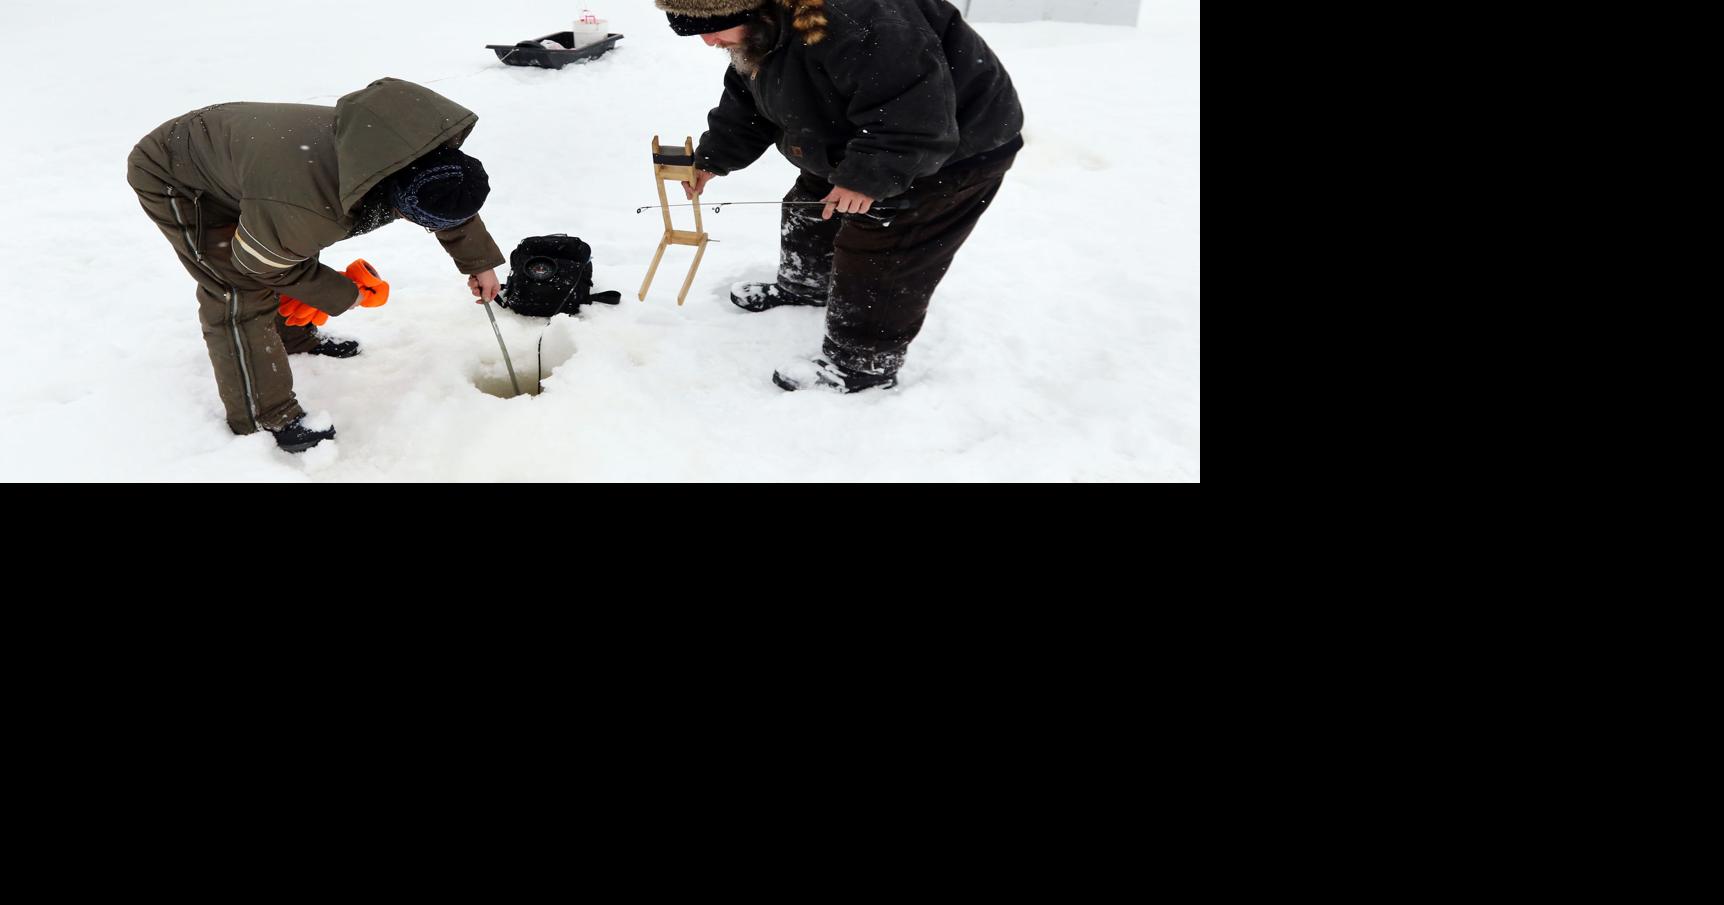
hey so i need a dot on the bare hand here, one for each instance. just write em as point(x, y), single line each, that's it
point(844, 201)
point(701, 178)
point(484, 286)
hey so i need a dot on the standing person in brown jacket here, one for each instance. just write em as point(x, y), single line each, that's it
point(250, 195)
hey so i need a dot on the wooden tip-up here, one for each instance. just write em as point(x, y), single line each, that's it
point(676, 165)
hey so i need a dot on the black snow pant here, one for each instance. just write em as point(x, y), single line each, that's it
point(877, 278)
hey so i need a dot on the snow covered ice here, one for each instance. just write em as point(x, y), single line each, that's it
point(1065, 345)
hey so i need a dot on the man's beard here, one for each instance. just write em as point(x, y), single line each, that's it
point(746, 63)
point(757, 42)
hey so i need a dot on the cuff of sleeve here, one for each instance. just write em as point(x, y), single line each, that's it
point(871, 181)
point(327, 291)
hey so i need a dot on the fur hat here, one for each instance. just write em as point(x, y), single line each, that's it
point(703, 17)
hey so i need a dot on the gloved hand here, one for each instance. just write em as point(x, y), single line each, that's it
point(299, 314)
point(373, 292)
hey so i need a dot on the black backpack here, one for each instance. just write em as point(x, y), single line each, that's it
point(552, 275)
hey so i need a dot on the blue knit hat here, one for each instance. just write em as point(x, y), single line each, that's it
point(441, 190)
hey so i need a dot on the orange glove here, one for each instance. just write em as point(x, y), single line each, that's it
point(299, 314)
point(373, 292)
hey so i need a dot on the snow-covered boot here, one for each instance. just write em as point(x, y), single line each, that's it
point(765, 296)
point(823, 374)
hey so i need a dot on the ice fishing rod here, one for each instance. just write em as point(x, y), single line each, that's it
point(880, 211)
point(717, 208)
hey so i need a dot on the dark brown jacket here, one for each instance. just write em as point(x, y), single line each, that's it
point(869, 94)
point(292, 176)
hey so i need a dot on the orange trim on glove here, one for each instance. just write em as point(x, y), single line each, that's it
point(373, 292)
point(299, 314)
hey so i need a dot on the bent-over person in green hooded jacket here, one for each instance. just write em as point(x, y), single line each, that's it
point(250, 195)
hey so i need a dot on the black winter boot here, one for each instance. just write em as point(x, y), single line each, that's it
point(823, 374)
point(329, 347)
point(755, 297)
point(297, 438)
